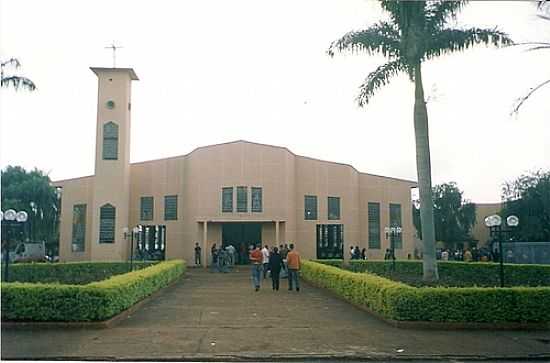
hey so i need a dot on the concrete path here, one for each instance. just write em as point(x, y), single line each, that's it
point(212, 316)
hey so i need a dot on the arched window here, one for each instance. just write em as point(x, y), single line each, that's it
point(107, 215)
point(110, 141)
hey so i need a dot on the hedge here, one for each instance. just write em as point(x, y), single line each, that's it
point(458, 274)
point(79, 273)
point(398, 301)
point(462, 274)
point(95, 301)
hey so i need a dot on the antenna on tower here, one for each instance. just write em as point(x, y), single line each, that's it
point(113, 47)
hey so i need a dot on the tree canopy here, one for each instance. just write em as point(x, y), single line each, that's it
point(454, 217)
point(32, 192)
point(528, 197)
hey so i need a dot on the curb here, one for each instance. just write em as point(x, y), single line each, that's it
point(303, 357)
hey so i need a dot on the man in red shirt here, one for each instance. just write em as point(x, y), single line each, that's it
point(256, 259)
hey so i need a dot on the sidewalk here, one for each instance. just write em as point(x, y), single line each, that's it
point(214, 316)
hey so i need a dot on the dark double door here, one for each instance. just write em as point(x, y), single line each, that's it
point(241, 236)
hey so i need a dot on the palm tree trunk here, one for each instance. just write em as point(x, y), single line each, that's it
point(423, 167)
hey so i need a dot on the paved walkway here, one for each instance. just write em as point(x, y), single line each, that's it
point(219, 316)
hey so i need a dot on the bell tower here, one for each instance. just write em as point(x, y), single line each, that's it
point(111, 186)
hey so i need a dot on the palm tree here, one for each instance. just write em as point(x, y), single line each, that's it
point(544, 13)
point(15, 81)
point(416, 32)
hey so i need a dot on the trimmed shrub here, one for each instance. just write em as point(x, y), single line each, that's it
point(460, 274)
point(71, 273)
point(92, 302)
point(398, 301)
point(451, 273)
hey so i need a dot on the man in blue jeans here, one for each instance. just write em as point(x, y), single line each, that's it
point(293, 263)
point(256, 258)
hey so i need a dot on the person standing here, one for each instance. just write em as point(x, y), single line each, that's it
point(265, 259)
point(364, 254)
point(231, 254)
point(275, 265)
point(467, 255)
point(197, 254)
point(256, 258)
point(293, 262)
point(214, 252)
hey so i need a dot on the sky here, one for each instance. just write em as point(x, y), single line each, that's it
point(214, 71)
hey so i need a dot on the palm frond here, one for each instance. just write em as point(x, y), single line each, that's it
point(522, 100)
point(452, 40)
point(17, 82)
point(380, 38)
point(438, 13)
point(377, 79)
point(11, 61)
point(544, 9)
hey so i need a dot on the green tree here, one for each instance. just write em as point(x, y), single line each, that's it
point(13, 80)
point(32, 192)
point(416, 31)
point(528, 197)
point(454, 217)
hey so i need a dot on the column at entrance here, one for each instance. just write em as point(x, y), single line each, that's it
point(205, 244)
point(277, 242)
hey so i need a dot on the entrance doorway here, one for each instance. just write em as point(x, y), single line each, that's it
point(241, 236)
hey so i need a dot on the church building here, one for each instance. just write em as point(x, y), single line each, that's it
point(233, 193)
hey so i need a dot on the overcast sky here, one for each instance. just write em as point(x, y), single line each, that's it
point(217, 71)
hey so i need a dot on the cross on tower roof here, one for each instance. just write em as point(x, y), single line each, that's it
point(114, 48)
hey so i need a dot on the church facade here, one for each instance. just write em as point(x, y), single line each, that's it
point(233, 193)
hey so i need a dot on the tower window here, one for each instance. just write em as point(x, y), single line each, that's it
point(107, 214)
point(110, 141)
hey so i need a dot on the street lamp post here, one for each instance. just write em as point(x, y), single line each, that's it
point(393, 232)
point(11, 219)
point(494, 223)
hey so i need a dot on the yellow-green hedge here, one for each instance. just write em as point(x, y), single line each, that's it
point(70, 273)
point(398, 301)
point(95, 301)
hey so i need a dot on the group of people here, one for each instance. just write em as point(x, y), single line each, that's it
point(278, 262)
point(356, 254)
point(273, 261)
point(467, 255)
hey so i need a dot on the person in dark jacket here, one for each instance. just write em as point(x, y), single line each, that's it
point(275, 265)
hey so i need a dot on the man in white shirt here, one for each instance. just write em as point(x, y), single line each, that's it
point(265, 259)
point(231, 250)
point(445, 255)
